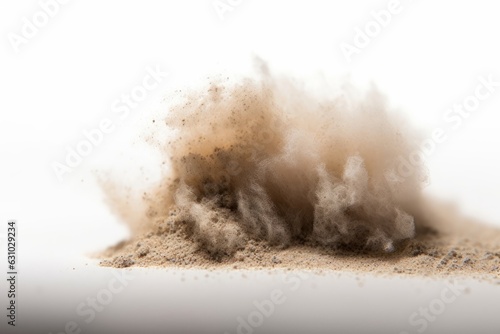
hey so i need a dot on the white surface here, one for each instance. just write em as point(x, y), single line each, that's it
point(191, 301)
point(66, 78)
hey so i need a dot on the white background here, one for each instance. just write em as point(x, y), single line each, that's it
point(65, 79)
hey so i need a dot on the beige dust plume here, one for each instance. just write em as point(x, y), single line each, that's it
point(265, 159)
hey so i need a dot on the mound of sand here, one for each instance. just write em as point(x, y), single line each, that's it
point(452, 246)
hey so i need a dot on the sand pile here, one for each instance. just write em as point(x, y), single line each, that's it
point(264, 173)
point(455, 246)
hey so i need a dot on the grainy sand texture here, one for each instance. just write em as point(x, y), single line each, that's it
point(263, 172)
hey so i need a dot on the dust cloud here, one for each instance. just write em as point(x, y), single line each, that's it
point(265, 158)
